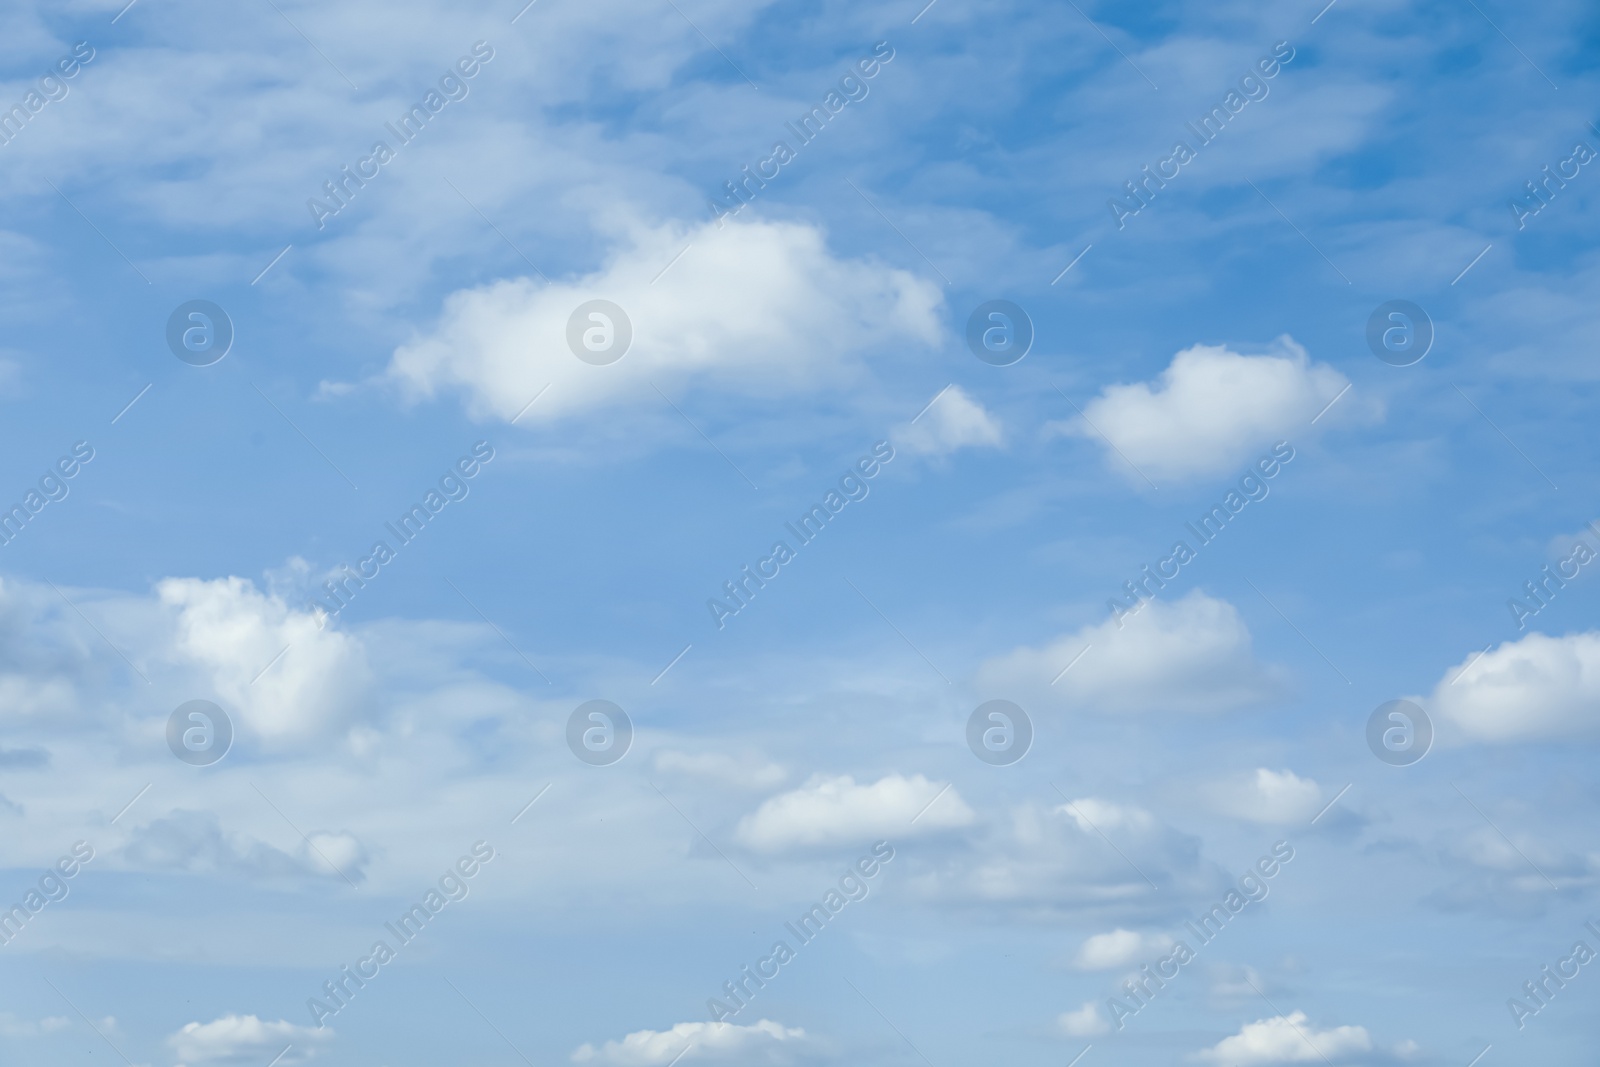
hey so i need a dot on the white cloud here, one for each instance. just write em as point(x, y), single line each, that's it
point(1192, 655)
point(1275, 798)
point(1046, 863)
point(1210, 411)
point(1119, 948)
point(1287, 1039)
point(835, 810)
point(761, 1042)
point(242, 1039)
point(743, 772)
point(1093, 814)
point(755, 308)
point(1538, 688)
point(233, 632)
point(1085, 1022)
point(953, 421)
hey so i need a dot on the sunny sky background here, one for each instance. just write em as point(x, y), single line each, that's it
point(1383, 159)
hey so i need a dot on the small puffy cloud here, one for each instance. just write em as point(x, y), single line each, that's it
point(1087, 1021)
point(754, 308)
point(763, 1042)
point(1538, 688)
point(1093, 814)
point(1191, 655)
point(1210, 411)
point(1119, 948)
point(1275, 798)
point(245, 1039)
point(742, 772)
point(232, 632)
point(1287, 1039)
point(835, 810)
point(952, 421)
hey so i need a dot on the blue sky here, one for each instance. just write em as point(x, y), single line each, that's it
point(587, 512)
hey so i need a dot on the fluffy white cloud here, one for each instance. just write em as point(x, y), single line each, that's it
point(233, 632)
point(761, 1042)
point(242, 1039)
point(1210, 410)
point(953, 421)
point(1192, 655)
point(756, 308)
point(1275, 798)
point(835, 810)
point(1538, 688)
point(1287, 1039)
point(1085, 1022)
point(1119, 948)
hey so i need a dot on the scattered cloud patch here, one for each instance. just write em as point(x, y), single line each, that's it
point(195, 841)
point(245, 1039)
point(763, 1042)
point(1046, 863)
point(1287, 1039)
point(233, 632)
point(829, 810)
point(1273, 798)
point(752, 308)
point(1192, 655)
point(1087, 1021)
point(1119, 948)
point(953, 421)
